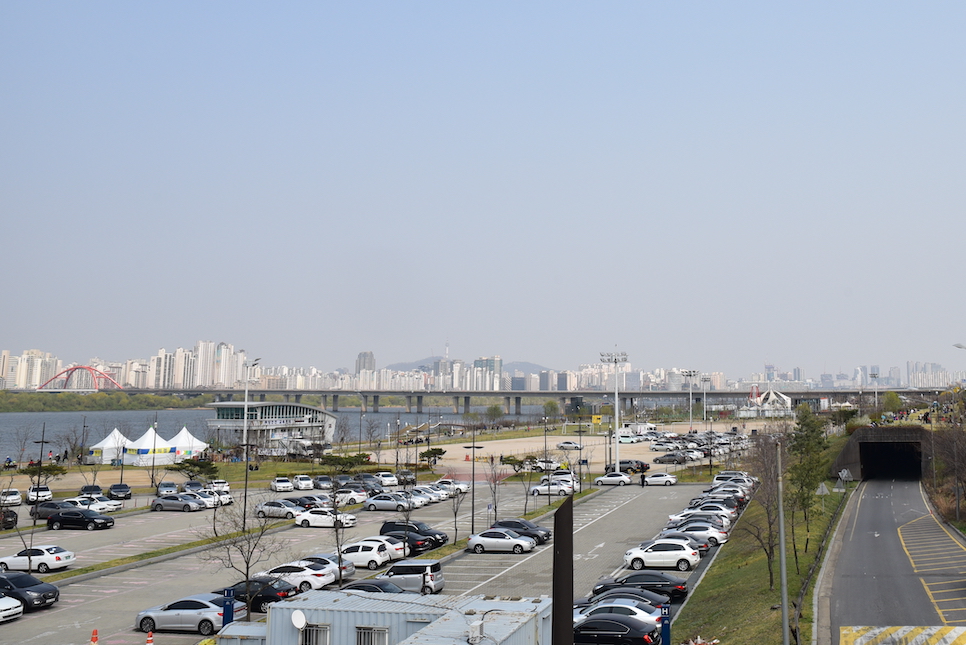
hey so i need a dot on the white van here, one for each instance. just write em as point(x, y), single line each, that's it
point(424, 576)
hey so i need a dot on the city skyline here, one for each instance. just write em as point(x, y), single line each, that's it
point(716, 187)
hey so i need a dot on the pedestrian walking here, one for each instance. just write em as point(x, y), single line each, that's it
point(643, 481)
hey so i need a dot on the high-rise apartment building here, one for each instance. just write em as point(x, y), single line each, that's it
point(365, 361)
point(204, 363)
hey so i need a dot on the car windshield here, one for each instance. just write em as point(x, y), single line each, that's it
point(511, 533)
point(23, 581)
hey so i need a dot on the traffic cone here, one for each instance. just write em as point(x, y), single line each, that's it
point(467, 458)
point(150, 640)
point(94, 637)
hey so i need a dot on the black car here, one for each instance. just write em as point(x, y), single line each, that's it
point(417, 543)
point(263, 591)
point(303, 502)
point(616, 629)
point(79, 518)
point(526, 528)
point(629, 466)
point(663, 583)
point(634, 593)
point(119, 491)
point(43, 510)
point(33, 593)
point(670, 458)
point(341, 480)
point(405, 477)
point(91, 489)
point(8, 519)
point(379, 586)
point(366, 487)
point(415, 526)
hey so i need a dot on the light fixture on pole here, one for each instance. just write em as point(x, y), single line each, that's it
point(690, 374)
point(248, 367)
point(615, 358)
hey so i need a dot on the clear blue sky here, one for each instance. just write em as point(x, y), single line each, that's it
point(704, 185)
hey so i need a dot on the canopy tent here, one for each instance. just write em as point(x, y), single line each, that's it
point(187, 446)
point(149, 450)
point(107, 450)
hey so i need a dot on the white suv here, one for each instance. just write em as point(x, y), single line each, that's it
point(303, 482)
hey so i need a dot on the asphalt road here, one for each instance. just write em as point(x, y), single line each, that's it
point(604, 526)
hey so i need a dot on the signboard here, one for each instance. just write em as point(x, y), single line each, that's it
point(845, 474)
point(595, 419)
point(822, 489)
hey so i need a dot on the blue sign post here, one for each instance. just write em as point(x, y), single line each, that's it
point(228, 606)
point(666, 624)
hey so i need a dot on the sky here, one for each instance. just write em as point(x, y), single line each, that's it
point(710, 186)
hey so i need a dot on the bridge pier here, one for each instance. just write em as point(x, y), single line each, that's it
point(375, 403)
point(419, 404)
point(324, 403)
point(456, 405)
point(364, 399)
point(466, 405)
point(518, 405)
point(335, 402)
point(506, 405)
point(261, 398)
point(409, 404)
point(562, 404)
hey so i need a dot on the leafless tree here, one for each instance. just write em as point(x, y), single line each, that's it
point(342, 431)
point(456, 500)
point(372, 429)
point(763, 462)
point(495, 472)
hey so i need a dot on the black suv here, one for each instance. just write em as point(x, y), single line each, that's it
point(525, 528)
point(415, 526)
point(8, 519)
point(119, 491)
point(405, 477)
point(629, 466)
point(92, 489)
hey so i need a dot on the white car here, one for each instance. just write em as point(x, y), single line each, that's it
point(112, 504)
point(220, 485)
point(39, 494)
point(324, 517)
point(660, 479)
point(347, 497)
point(303, 482)
point(370, 555)
point(552, 488)
point(662, 553)
point(42, 558)
point(88, 502)
point(433, 495)
point(569, 445)
point(701, 531)
point(209, 501)
point(397, 548)
point(10, 497)
point(613, 479)
point(453, 485)
point(386, 478)
point(418, 501)
point(223, 497)
point(10, 608)
point(282, 485)
point(303, 574)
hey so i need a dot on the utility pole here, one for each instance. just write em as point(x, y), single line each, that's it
point(616, 358)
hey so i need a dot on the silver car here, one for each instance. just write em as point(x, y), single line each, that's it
point(388, 502)
point(277, 508)
point(500, 540)
point(176, 502)
point(198, 613)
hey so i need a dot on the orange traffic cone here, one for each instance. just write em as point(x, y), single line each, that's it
point(94, 637)
point(467, 458)
point(150, 640)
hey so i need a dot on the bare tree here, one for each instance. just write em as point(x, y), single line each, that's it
point(21, 440)
point(372, 429)
point(494, 472)
point(456, 500)
point(342, 431)
point(763, 462)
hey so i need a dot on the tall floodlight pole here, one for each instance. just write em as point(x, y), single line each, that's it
point(781, 548)
point(690, 374)
point(875, 387)
point(705, 380)
point(615, 358)
point(248, 367)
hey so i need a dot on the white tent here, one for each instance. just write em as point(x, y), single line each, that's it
point(187, 446)
point(108, 449)
point(149, 449)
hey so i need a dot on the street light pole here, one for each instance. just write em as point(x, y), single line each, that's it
point(875, 387)
point(248, 367)
point(615, 358)
point(690, 374)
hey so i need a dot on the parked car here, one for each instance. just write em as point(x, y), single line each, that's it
point(88, 503)
point(39, 494)
point(670, 458)
point(111, 504)
point(650, 597)
point(397, 548)
point(524, 527)
point(167, 488)
point(222, 497)
point(10, 608)
point(370, 555)
point(405, 477)
point(321, 501)
point(33, 593)
point(699, 545)
point(348, 497)
point(660, 479)
point(208, 501)
point(628, 466)
point(658, 581)
point(277, 508)
point(322, 482)
point(376, 586)
point(8, 520)
point(415, 526)
point(612, 479)
point(615, 629)
point(416, 543)
point(416, 499)
point(662, 553)
point(44, 510)
point(334, 563)
point(192, 486)
point(500, 540)
point(303, 502)
point(302, 482)
point(551, 488)
point(79, 518)
point(262, 590)
point(281, 485)
point(388, 502)
point(643, 611)
point(303, 574)
point(424, 576)
point(119, 491)
point(386, 478)
point(324, 517)
point(433, 494)
point(200, 613)
point(10, 497)
point(42, 558)
point(220, 485)
point(91, 489)
point(703, 531)
point(454, 485)
point(569, 445)
point(176, 502)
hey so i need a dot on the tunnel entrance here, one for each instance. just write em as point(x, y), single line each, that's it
point(891, 460)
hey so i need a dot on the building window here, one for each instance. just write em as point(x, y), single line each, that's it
point(314, 635)
point(372, 636)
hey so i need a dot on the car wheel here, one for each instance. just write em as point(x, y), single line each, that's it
point(290, 515)
point(260, 514)
point(517, 548)
point(55, 526)
point(562, 492)
point(206, 628)
point(427, 590)
point(637, 563)
point(683, 565)
point(158, 507)
point(597, 482)
point(621, 482)
point(186, 508)
point(90, 526)
point(667, 483)
point(478, 548)
point(338, 524)
point(373, 565)
point(304, 586)
point(263, 607)
point(399, 508)
point(42, 567)
point(146, 625)
point(305, 524)
point(372, 507)
point(4, 567)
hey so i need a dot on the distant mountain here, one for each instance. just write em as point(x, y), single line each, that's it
point(427, 364)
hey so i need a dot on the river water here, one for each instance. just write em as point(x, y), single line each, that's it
point(18, 430)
